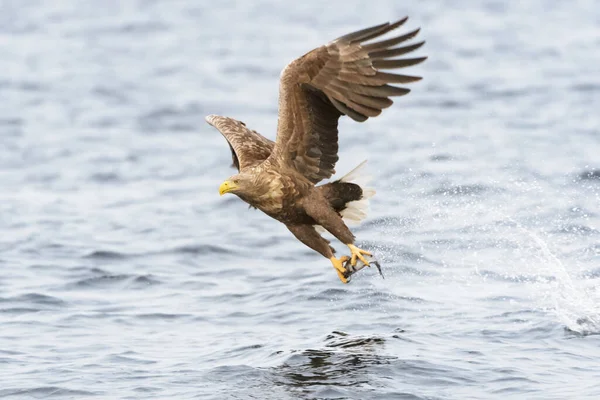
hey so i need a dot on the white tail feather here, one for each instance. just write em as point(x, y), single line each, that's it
point(357, 175)
point(356, 211)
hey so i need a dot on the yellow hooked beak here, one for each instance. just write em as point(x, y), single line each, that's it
point(227, 187)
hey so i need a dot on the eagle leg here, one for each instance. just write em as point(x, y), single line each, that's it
point(358, 253)
point(338, 264)
point(310, 237)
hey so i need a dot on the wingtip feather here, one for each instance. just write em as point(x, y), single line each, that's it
point(211, 119)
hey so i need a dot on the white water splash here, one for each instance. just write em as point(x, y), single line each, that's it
point(574, 304)
point(495, 244)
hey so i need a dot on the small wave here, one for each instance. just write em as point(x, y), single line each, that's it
point(25, 86)
point(399, 222)
point(581, 230)
point(45, 392)
point(11, 121)
point(106, 255)
point(502, 299)
point(117, 280)
point(172, 119)
point(316, 368)
point(329, 293)
point(593, 174)
point(406, 270)
point(463, 190)
point(118, 359)
point(586, 87)
point(29, 303)
point(379, 295)
point(393, 252)
point(244, 349)
point(35, 298)
point(203, 249)
point(146, 280)
point(592, 274)
point(105, 177)
point(352, 364)
point(343, 340)
point(585, 326)
point(18, 310)
point(512, 384)
point(147, 389)
point(444, 104)
point(103, 280)
point(250, 70)
point(142, 28)
point(162, 316)
point(441, 157)
point(237, 381)
point(114, 96)
point(10, 352)
point(514, 277)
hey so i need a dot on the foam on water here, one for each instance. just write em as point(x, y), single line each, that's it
point(575, 302)
point(504, 249)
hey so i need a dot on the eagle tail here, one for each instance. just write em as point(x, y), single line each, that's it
point(356, 202)
point(349, 195)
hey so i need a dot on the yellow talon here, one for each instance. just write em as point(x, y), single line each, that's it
point(358, 253)
point(338, 264)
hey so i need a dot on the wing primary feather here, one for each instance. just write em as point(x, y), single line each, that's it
point(362, 109)
point(371, 101)
point(378, 91)
point(348, 111)
point(380, 32)
point(384, 44)
point(376, 102)
point(343, 77)
point(247, 147)
point(375, 55)
point(378, 79)
point(391, 64)
point(358, 35)
point(384, 77)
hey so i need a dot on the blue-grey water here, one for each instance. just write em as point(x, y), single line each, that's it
point(124, 275)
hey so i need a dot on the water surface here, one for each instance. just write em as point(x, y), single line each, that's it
point(125, 275)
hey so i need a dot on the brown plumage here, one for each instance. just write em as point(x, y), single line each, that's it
point(343, 77)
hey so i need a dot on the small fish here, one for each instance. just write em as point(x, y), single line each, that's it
point(351, 270)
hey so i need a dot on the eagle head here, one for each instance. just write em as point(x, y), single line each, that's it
point(236, 184)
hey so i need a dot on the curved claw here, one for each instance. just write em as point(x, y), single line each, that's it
point(358, 253)
point(338, 264)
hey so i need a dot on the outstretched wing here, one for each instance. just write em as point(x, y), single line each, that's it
point(248, 148)
point(343, 77)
